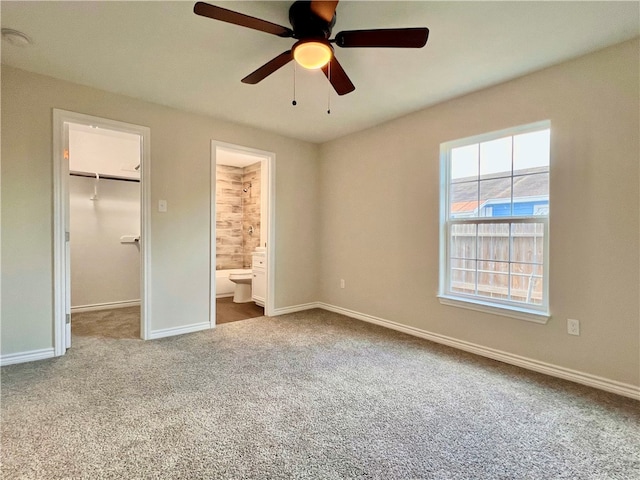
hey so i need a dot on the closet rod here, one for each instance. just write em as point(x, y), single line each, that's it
point(103, 177)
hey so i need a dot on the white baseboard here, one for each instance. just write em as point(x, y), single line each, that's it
point(296, 308)
point(105, 306)
point(170, 332)
point(22, 357)
point(587, 379)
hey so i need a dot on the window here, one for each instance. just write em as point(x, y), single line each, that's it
point(495, 222)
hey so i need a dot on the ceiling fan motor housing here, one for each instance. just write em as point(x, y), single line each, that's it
point(306, 24)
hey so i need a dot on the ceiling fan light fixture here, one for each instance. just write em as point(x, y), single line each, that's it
point(312, 54)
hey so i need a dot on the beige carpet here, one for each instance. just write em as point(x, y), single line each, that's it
point(118, 323)
point(312, 395)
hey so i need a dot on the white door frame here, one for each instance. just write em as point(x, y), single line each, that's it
point(61, 285)
point(268, 180)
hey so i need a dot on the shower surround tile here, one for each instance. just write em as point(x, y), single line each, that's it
point(236, 212)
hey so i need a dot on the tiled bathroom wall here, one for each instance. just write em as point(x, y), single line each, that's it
point(236, 212)
point(250, 211)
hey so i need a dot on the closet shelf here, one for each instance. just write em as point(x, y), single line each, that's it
point(103, 177)
point(130, 239)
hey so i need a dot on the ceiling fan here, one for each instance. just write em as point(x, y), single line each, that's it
point(312, 22)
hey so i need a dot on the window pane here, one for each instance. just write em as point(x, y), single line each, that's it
point(531, 151)
point(526, 283)
point(463, 198)
point(531, 194)
point(463, 242)
point(464, 163)
point(463, 276)
point(500, 186)
point(527, 243)
point(495, 158)
point(493, 279)
point(495, 198)
point(493, 242)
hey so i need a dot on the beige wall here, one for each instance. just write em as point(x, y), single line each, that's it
point(103, 270)
point(180, 172)
point(380, 214)
point(364, 208)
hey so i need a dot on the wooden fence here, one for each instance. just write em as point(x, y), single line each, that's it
point(498, 260)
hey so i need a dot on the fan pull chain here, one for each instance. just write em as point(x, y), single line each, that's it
point(329, 89)
point(294, 103)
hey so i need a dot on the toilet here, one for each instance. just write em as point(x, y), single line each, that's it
point(242, 291)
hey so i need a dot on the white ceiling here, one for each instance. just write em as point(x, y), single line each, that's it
point(235, 158)
point(162, 52)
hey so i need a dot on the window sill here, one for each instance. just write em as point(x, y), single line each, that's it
point(504, 310)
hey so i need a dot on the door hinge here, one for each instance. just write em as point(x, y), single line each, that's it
point(68, 318)
point(66, 236)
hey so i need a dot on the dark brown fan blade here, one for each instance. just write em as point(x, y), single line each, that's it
point(391, 37)
point(338, 77)
point(268, 68)
point(224, 15)
point(324, 9)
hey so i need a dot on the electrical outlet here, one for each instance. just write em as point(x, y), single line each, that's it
point(573, 326)
point(342, 283)
point(162, 206)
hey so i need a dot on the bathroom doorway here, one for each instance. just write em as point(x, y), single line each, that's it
point(241, 245)
point(100, 228)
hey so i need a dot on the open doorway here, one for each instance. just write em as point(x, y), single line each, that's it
point(241, 246)
point(104, 228)
point(100, 228)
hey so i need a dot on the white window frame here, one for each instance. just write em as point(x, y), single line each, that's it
point(532, 313)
